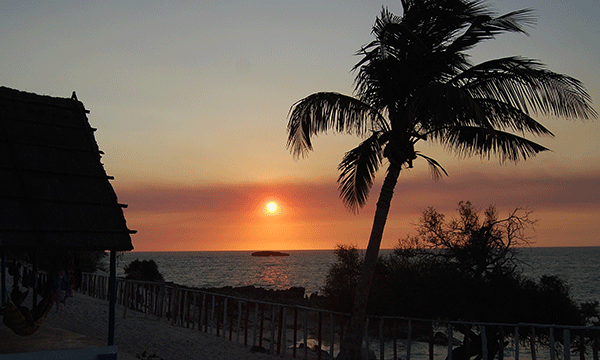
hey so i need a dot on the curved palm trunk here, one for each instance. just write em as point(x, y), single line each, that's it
point(351, 346)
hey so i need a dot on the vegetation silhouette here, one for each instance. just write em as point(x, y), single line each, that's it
point(414, 83)
point(146, 270)
point(465, 268)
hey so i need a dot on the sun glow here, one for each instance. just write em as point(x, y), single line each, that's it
point(271, 208)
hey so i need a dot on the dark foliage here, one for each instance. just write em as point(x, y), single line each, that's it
point(143, 270)
point(464, 269)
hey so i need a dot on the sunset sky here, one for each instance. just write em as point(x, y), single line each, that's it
point(190, 99)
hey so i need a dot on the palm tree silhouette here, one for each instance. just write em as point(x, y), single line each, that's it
point(414, 82)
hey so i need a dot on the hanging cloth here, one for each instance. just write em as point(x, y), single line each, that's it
point(23, 321)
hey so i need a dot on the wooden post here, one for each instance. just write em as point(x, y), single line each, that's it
point(35, 274)
point(595, 346)
point(567, 344)
point(408, 340)
point(381, 344)
point(113, 294)
point(450, 342)
point(295, 332)
point(280, 330)
point(430, 340)
point(532, 343)
point(246, 315)
point(516, 343)
point(332, 340)
point(395, 340)
point(272, 338)
point(284, 327)
point(239, 322)
point(4, 293)
point(320, 336)
point(262, 324)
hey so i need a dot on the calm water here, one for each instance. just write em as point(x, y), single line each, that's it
point(308, 268)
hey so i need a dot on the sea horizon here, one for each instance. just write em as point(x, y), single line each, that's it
point(247, 250)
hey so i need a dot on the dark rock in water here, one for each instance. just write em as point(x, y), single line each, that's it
point(269, 253)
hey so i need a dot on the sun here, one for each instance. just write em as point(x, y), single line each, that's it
point(271, 208)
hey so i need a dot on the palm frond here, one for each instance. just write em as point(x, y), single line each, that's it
point(324, 111)
point(526, 85)
point(357, 171)
point(485, 27)
point(485, 142)
point(436, 169)
point(442, 105)
point(502, 116)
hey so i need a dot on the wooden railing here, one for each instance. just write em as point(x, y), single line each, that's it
point(303, 332)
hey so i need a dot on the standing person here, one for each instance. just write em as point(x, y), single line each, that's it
point(59, 288)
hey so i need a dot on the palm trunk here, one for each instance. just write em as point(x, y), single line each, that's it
point(351, 346)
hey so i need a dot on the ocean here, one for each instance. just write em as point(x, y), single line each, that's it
point(578, 266)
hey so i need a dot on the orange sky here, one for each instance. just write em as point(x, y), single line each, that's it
point(231, 217)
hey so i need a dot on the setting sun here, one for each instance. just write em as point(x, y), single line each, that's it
point(271, 208)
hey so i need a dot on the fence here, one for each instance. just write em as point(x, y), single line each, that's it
point(303, 332)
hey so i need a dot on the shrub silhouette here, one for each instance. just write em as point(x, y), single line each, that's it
point(466, 268)
point(143, 270)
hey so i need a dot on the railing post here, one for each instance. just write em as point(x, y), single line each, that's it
point(305, 333)
point(246, 316)
point(501, 343)
point(532, 343)
point(320, 336)
point(239, 322)
point(395, 339)
point(112, 285)
point(516, 342)
point(212, 315)
point(262, 324)
point(450, 337)
point(381, 344)
point(280, 330)
point(552, 344)
point(367, 338)
point(467, 340)
point(595, 346)
point(284, 330)
point(295, 332)
point(332, 340)
point(224, 316)
point(254, 326)
point(430, 328)
point(408, 340)
point(126, 300)
point(484, 343)
point(202, 314)
point(567, 344)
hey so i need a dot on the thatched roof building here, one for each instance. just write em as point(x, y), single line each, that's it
point(54, 191)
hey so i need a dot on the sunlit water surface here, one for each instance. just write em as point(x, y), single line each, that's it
point(308, 268)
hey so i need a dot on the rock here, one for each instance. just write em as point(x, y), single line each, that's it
point(269, 253)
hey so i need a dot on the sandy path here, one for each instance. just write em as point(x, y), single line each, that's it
point(84, 321)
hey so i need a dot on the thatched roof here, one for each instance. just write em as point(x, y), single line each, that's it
point(54, 191)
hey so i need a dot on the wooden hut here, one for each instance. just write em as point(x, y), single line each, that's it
point(54, 190)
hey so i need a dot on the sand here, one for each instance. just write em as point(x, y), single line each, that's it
point(83, 322)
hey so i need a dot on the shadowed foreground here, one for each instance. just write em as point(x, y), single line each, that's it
point(84, 323)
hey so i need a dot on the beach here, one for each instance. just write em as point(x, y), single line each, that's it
point(83, 322)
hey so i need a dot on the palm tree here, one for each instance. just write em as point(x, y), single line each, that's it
point(414, 82)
